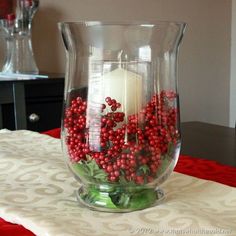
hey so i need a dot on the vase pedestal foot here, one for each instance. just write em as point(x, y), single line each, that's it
point(110, 198)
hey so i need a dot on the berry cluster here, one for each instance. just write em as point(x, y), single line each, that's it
point(124, 148)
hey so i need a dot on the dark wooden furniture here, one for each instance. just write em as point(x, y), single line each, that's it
point(212, 142)
point(33, 104)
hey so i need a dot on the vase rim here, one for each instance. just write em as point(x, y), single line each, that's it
point(123, 23)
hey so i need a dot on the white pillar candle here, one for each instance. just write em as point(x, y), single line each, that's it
point(122, 85)
point(125, 87)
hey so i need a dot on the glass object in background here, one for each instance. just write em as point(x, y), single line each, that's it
point(120, 126)
point(17, 33)
point(5, 8)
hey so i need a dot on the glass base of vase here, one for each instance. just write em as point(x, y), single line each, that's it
point(110, 198)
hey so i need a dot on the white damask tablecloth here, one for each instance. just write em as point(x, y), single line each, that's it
point(37, 191)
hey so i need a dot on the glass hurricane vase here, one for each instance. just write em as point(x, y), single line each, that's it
point(120, 125)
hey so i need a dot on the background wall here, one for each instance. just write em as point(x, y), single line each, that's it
point(204, 60)
point(233, 68)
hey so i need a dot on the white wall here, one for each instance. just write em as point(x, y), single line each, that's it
point(233, 68)
point(204, 62)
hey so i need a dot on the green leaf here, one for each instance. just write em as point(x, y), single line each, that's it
point(126, 183)
point(92, 167)
point(143, 199)
point(101, 176)
point(94, 196)
point(123, 181)
point(80, 169)
point(120, 199)
point(90, 170)
point(144, 169)
point(137, 199)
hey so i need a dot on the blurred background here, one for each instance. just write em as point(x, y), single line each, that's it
point(207, 59)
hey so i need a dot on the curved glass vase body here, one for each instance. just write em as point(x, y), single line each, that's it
point(120, 126)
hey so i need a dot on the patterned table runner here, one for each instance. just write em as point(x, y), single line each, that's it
point(37, 191)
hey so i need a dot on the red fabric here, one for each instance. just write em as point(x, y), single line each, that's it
point(8, 229)
point(54, 133)
point(201, 168)
point(206, 169)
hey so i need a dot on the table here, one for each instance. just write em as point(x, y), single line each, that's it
point(191, 140)
point(212, 142)
point(29, 97)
